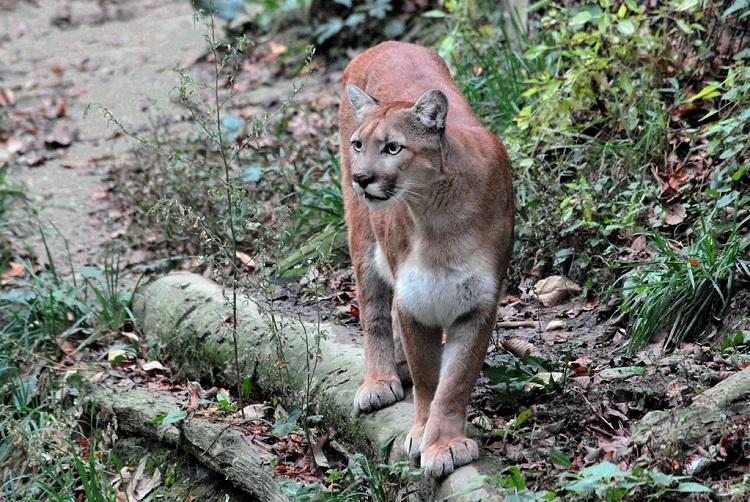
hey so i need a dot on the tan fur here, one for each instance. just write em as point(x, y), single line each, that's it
point(432, 256)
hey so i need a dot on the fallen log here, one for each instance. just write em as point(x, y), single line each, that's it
point(302, 363)
point(220, 448)
point(710, 413)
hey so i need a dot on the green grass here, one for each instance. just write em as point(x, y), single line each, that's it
point(48, 444)
point(685, 286)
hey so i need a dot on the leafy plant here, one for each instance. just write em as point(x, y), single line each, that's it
point(597, 109)
point(606, 482)
point(683, 287)
point(357, 17)
point(361, 479)
point(511, 378)
point(512, 482)
point(89, 480)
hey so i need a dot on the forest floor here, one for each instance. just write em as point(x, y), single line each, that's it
point(58, 56)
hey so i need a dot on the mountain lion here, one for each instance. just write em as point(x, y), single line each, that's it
point(429, 209)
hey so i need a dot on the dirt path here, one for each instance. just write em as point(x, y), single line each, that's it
point(55, 57)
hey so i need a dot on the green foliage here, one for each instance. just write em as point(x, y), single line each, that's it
point(512, 482)
point(360, 479)
point(683, 287)
point(89, 480)
point(589, 106)
point(605, 481)
point(358, 18)
point(41, 448)
point(319, 221)
point(736, 342)
point(45, 306)
point(509, 377)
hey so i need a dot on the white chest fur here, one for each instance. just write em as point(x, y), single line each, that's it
point(438, 296)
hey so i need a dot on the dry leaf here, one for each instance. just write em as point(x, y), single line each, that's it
point(141, 484)
point(115, 354)
point(153, 366)
point(548, 378)
point(555, 289)
point(7, 98)
point(67, 347)
point(555, 325)
point(74, 164)
point(62, 136)
point(252, 411)
point(519, 347)
point(130, 335)
point(98, 377)
point(246, 260)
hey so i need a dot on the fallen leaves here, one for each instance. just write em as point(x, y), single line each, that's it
point(139, 484)
point(555, 289)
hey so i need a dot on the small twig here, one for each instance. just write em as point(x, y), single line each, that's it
point(517, 324)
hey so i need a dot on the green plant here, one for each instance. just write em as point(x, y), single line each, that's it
point(597, 109)
point(683, 287)
point(361, 479)
point(355, 17)
point(89, 480)
point(492, 75)
point(319, 222)
point(511, 377)
point(738, 342)
point(510, 479)
point(606, 482)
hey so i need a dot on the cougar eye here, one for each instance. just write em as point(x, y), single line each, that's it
point(357, 145)
point(393, 148)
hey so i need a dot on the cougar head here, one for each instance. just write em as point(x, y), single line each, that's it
point(396, 150)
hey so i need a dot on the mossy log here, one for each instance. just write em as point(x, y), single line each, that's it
point(299, 362)
point(706, 417)
point(220, 448)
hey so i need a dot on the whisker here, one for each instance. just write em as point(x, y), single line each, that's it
point(415, 195)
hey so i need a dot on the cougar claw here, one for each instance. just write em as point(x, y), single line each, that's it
point(375, 395)
point(440, 460)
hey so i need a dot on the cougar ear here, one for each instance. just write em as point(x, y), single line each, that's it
point(431, 109)
point(360, 100)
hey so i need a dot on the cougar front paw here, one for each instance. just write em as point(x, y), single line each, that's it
point(377, 394)
point(439, 460)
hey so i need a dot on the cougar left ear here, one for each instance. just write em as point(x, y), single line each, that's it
point(431, 109)
point(360, 100)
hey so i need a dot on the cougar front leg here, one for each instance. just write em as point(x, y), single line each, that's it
point(445, 446)
point(382, 386)
point(422, 345)
point(402, 366)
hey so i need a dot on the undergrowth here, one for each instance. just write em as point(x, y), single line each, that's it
point(621, 120)
point(49, 449)
point(606, 119)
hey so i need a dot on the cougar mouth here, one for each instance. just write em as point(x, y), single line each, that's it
point(369, 196)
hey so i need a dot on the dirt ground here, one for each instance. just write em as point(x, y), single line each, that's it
point(55, 57)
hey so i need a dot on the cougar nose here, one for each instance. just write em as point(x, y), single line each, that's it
point(363, 179)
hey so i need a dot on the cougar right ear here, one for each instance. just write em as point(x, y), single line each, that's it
point(360, 100)
point(432, 109)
